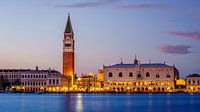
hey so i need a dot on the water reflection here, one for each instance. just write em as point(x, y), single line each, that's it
point(99, 103)
point(79, 103)
point(150, 103)
point(168, 103)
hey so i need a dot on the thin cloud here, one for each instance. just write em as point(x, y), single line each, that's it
point(175, 49)
point(89, 4)
point(189, 35)
point(143, 6)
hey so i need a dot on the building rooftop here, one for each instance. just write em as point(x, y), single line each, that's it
point(194, 75)
point(29, 70)
point(135, 65)
point(14, 70)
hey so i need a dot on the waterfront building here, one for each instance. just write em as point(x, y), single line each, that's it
point(11, 76)
point(68, 52)
point(89, 83)
point(180, 85)
point(100, 75)
point(193, 83)
point(42, 80)
point(136, 77)
point(29, 80)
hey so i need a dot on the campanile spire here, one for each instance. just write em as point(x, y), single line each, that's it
point(68, 28)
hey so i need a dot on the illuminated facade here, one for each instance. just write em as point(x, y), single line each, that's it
point(89, 83)
point(68, 52)
point(29, 80)
point(100, 75)
point(193, 83)
point(152, 77)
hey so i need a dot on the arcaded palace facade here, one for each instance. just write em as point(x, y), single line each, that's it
point(136, 77)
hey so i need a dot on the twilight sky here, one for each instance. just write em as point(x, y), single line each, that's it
point(31, 33)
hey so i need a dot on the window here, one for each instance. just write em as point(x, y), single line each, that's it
point(57, 81)
point(198, 82)
point(157, 76)
point(168, 76)
point(189, 82)
point(193, 81)
point(139, 76)
point(67, 45)
point(120, 74)
point(147, 74)
point(110, 74)
point(130, 74)
point(50, 81)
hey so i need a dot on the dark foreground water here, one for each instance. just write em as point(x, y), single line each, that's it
point(99, 103)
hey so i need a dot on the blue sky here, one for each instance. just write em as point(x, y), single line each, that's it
point(31, 33)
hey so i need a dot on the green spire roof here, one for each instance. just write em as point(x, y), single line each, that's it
point(68, 28)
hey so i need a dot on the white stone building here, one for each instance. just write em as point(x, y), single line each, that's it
point(193, 83)
point(28, 80)
point(152, 77)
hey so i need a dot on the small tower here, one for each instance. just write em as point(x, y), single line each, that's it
point(135, 60)
point(68, 51)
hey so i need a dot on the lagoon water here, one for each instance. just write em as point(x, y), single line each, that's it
point(99, 102)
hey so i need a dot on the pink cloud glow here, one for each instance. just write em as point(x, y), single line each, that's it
point(142, 6)
point(189, 35)
point(175, 49)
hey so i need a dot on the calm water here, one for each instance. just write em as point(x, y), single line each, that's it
point(99, 102)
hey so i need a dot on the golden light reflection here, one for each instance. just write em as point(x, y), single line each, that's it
point(79, 103)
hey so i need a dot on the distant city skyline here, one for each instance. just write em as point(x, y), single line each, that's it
point(31, 33)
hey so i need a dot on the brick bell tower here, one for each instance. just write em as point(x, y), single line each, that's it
point(68, 52)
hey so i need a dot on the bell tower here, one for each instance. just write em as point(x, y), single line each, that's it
point(68, 52)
